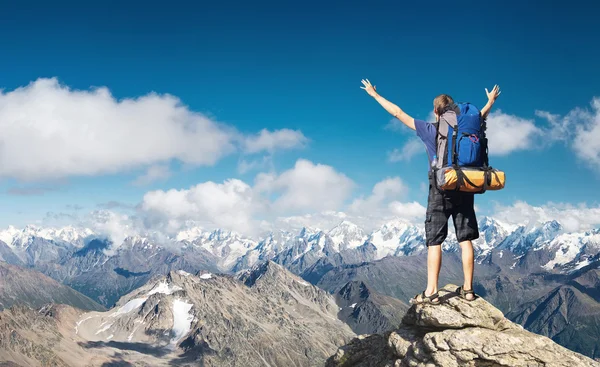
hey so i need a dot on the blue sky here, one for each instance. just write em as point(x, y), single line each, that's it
point(273, 65)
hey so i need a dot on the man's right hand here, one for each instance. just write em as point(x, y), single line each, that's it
point(493, 94)
point(370, 89)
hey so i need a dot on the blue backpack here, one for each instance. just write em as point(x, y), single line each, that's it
point(461, 137)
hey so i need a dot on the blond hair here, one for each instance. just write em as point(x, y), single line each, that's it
point(441, 103)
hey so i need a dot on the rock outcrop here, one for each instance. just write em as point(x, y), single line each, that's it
point(456, 333)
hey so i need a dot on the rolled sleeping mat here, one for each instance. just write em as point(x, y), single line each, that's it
point(470, 179)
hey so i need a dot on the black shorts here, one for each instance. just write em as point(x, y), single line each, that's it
point(442, 205)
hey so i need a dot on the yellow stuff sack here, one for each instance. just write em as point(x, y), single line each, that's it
point(469, 179)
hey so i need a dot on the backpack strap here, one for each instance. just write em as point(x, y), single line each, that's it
point(454, 153)
point(484, 141)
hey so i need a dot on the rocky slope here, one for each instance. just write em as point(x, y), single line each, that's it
point(569, 314)
point(106, 275)
point(265, 316)
point(367, 311)
point(398, 277)
point(517, 266)
point(19, 285)
point(456, 333)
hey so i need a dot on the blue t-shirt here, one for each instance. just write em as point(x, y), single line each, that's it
point(427, 131)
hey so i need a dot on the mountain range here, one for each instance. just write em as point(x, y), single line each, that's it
point(525, 271)
point(264, 316)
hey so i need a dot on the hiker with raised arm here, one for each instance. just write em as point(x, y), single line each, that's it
point(457, 150)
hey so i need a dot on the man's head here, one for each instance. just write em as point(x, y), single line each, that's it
point(440, 103)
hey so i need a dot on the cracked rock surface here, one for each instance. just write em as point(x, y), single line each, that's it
point(456, 333)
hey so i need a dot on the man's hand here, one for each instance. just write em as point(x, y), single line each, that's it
point(371, 89)
point(493, 94)
point(389, 106)
point(485, 111)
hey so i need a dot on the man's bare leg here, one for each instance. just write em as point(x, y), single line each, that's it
point(468, 266)
point(434, 264)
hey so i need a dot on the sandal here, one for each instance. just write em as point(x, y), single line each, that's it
point(463, 293)
point(425, 299)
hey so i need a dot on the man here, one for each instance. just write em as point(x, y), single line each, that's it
point(441, 205)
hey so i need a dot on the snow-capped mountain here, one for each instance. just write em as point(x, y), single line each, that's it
point(19, 238)
point(184, 312)
point(397, 238)
point(524, 238)
point(76, 257)
point(573, 251)
point(346, 235)
point(267, 248)
point(227, 246)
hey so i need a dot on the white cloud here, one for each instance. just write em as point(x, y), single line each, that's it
point(153, 173)
point(384, 203)
point(573, 217)
point(51, 131)
point(230, 205)
point(586, 142)
point(580, 129)
point(412, 211)
point(383, 192)
point(235, 205)
point(409, 150)
point(316, 221)
point(114, 226)
point(306, 187)
point(276, 140)
point(308, 194)
point(508, 133)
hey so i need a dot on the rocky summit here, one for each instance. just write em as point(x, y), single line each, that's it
point(455, 333)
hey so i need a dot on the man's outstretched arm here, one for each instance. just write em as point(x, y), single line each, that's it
point(485, 111)
point(389, 106)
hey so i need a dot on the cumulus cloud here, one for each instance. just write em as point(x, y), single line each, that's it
point(411, 210)
point(580, 129)
point(235, 205)
point(306, 187)
point(508, 133)
point(384, 191)
point(231, 205)
point(270, 141)
point(115, 226)
point(71, 132)
point(308, 194)
point(408, 151)
point(573, 217)
point(385, 203)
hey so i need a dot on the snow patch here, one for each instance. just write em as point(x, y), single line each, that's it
point(129, 306)
point(80, 321)
point(110, 337)
point(303, 283)
point(103, 329)
point(184, 273)
point(517, 258)
point(567, 247)
point(164, 288)
point(206, 276)
point(353, 305)
point(182, 320)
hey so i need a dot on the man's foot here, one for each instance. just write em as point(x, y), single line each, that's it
point(467, 294)
point(421, 298)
